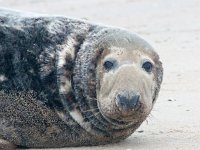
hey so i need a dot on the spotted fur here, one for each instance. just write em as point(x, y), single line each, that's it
point(48, 82)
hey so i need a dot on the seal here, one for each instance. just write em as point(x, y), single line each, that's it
point(68, 82)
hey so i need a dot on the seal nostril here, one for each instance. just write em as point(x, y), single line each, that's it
point(121, 101)
point(134, 101)
point(125, 103)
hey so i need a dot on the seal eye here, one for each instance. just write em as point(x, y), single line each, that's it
point(108, 65)
point(147, 66)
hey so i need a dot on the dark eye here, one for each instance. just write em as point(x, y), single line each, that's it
point(147, 66)
point(108, 65)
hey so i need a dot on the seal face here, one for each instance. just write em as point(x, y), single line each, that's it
point(67, 82)
point(128, 78)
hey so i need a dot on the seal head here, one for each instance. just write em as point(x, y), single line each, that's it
point(130, 75)
point(126, 74)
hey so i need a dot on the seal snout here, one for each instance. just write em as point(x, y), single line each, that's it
point(127, 102)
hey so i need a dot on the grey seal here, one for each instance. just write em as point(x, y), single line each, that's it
point(68, 82)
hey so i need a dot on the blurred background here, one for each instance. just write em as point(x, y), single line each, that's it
point(173, 28)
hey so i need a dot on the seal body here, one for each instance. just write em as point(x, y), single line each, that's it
point(55, 81)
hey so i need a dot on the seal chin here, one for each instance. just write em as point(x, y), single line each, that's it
point(131, 114)
point(128, 112)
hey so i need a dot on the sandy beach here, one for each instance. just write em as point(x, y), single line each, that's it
point(173, 28)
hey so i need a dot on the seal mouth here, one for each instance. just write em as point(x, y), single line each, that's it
point(129, 115)
point(124, 116)
point(136, 116)
point(127, 104)
point(123, 113)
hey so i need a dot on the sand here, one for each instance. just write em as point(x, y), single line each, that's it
point(173, 28)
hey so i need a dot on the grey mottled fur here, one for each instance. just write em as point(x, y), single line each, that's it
point(47, 71)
